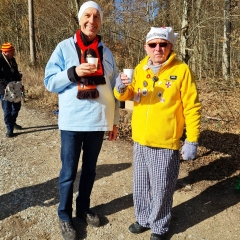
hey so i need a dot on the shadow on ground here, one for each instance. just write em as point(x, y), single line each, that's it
point(213, 165)
point(218, 197)
point(35, 129)
point(210, 202)
point(45, 194)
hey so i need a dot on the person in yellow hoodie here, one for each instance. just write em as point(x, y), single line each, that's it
point(165, 101)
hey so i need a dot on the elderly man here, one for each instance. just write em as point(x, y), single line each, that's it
point(87, 108)
point(165, 100)
point(9, 73)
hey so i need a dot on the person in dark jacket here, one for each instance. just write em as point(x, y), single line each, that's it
point(9, 73)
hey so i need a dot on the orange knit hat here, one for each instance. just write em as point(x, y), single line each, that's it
point(7, 47)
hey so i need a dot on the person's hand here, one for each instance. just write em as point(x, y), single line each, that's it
point(189, 150)
point(121, 82)
point(85, 69)
point(112, 135)
point(124, 78)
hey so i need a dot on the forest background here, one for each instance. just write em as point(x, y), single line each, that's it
point(208, 41)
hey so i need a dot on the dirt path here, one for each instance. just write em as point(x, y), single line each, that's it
point(205, 207)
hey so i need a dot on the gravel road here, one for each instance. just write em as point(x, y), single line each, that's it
point(29, 168)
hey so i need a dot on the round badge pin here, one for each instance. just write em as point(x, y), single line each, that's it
point(159, 94)
point(144, 92)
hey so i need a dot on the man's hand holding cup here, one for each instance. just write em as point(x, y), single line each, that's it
point(127, 75)
point(123, 80)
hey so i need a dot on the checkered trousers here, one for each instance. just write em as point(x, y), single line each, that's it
point(154, 179)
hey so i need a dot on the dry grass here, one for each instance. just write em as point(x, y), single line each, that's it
point(36, 94)
point(218, 152)
point(220, 101)
point(220, 105)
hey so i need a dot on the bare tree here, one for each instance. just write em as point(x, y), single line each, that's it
point(226, 41)
point(125, 24)
point(184, 32)
point(31, 32)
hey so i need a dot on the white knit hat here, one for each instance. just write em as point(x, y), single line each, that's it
point(163, 33)
point(89, 4)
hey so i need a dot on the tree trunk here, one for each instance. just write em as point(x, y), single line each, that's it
point(226, 41)
point(184, 35)
point(31, 33)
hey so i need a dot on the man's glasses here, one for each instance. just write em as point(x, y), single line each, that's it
point(161, 44)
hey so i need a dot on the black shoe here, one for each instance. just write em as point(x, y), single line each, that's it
point(18, 127)
point(68, 231)
point(90, 217)
point(9, 134)
point(137, 228)
point(155, 236)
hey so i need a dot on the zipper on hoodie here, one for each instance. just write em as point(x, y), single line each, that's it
point(155, 79)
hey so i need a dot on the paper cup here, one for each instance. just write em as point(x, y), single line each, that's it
point(92, 60)
point(128, 72)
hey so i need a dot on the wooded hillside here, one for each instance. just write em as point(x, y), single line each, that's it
point(208, 31)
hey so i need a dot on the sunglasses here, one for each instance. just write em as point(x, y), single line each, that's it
point(161, 44)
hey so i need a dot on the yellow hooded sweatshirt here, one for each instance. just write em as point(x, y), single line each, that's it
point(162, 109)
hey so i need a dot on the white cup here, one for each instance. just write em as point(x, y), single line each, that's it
point(92, 60)
point(128, 72)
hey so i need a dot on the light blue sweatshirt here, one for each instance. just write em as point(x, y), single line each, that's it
point(98, 114)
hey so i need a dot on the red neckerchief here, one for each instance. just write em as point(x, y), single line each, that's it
point(92, 48)
point(87, 85)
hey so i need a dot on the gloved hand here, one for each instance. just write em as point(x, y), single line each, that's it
point(120, 86)
point(189, 150)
